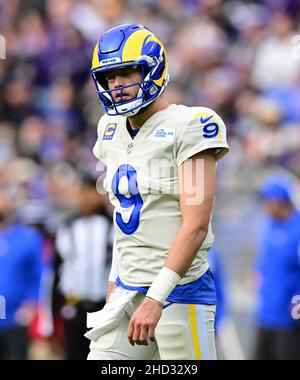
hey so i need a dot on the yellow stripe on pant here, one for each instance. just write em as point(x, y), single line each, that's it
point(194, 329)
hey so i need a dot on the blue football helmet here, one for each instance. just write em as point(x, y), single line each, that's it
point(130, 45)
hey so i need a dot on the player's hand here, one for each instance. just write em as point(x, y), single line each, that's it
point(143, 322)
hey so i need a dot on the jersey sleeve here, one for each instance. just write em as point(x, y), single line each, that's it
point(98, 147)
point(204, 130)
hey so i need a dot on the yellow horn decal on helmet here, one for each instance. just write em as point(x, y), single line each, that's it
point(133, 49)
point(133, 46)
point(159, 81)
point(95, 60)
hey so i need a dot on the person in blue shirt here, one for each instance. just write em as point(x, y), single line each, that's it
point(218, 270)
point(278, 273)
point(20, 270)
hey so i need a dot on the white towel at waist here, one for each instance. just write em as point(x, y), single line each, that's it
point(108, 318)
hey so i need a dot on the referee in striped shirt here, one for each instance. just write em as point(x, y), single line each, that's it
point(84, 243)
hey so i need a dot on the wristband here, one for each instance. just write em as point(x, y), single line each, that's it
point(163, 284)
point(153, 300)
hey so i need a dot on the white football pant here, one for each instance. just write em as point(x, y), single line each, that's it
point(184, 332)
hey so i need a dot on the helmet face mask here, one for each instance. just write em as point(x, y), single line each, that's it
point(147, 56)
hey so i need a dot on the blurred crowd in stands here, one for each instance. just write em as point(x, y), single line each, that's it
point(240, 58)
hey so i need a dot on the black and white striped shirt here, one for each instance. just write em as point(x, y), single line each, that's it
point(83, 246)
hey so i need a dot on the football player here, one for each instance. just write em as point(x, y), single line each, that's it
point(161, 170)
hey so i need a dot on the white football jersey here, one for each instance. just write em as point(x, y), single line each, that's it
point(142, 182)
